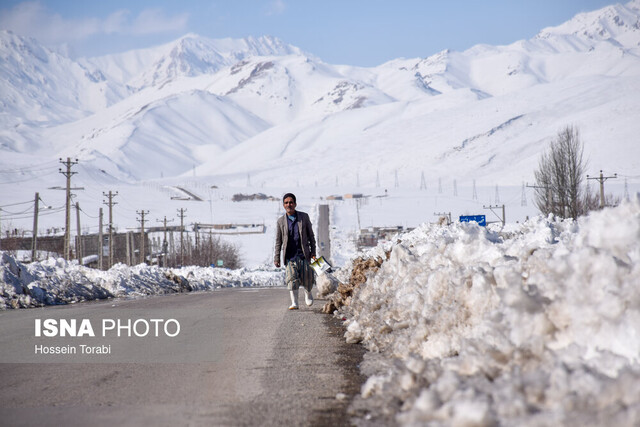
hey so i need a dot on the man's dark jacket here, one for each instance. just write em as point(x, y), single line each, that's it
point(307, 238)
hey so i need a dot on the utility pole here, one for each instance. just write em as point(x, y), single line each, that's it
point(142, 239)
point(100, 240)
point(67, 228)
point(602, 179)
point(172, 249)
point(129, 249)
point(423, 182)
point(34, 242)
point(181, 212)
point(165, 243)
point(110, 203)
point(79, 238)
point(503, 219)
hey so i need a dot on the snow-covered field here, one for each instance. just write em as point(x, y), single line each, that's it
point(531, 324)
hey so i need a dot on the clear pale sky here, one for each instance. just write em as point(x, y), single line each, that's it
point(354, 32)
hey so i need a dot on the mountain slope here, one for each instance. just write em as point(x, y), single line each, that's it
point(487, 112)
point(40, 87)
point(149, 136)
point(228, 108)
point(462, 138)
point(189, 56)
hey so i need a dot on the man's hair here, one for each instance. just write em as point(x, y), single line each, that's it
point(286, 196)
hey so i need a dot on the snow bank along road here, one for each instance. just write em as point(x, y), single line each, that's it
point(240, 358)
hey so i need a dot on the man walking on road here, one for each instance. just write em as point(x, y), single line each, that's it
point(294, 237)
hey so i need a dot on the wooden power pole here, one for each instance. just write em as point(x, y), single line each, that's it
point(100, 240)
point(34, 242)
point(602, 179)
point(79, 238)
point(181, 212)
point(141, 219)
point(110, 203)
point(165, 244)
point(67, 228)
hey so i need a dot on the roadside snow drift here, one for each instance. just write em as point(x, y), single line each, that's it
point(56, 281)
point(534, 324)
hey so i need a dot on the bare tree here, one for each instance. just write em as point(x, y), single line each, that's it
point(212, 249)
point(559, 176)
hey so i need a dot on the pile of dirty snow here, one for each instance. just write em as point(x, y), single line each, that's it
point(56, 281)
point(534, 324)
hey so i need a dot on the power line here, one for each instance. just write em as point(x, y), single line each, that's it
point(16, 204)
point(47, 212)
point(18, 181)
point(90, 216)
point(503, 219)
point(34, 168)
point(19, 213)
point(47, 204)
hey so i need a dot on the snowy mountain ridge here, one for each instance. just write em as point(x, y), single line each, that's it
point(234, 107)
point(189, 56)
point(611, 22)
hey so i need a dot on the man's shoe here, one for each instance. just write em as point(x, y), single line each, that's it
point(308, 298)
point(294, 299)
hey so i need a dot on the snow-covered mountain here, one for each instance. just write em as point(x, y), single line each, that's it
point(228, 108)
point(188, 56)
point(42, 88)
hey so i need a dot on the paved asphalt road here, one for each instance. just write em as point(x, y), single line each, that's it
point(241, 358)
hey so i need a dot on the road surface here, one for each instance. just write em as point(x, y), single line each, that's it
point(240, 358)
